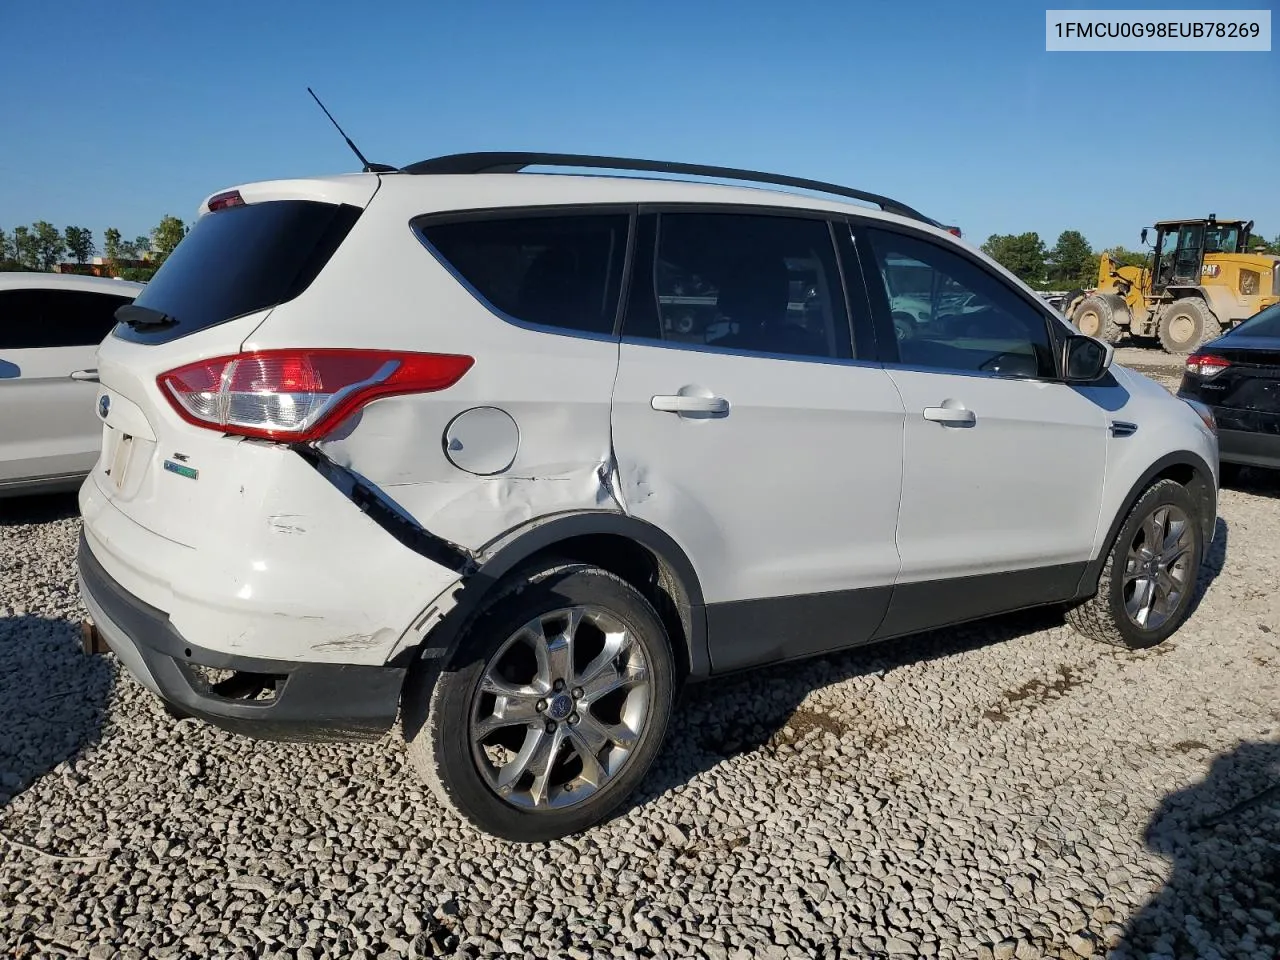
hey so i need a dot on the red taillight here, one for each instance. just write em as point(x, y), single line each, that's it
point(221, 201)
point(954, 231)
point(299, 395)
point(1206, 365)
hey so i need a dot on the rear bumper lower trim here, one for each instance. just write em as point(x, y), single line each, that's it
point(1249, 449)
point(312, 701)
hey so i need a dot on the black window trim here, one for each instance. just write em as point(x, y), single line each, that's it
point(830, 218)
point(887, 342)
point(419, 223)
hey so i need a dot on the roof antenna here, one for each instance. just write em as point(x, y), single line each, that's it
point(368, 167)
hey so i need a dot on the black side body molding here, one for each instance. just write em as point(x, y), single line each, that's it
point(403, 528)
point(750, 633)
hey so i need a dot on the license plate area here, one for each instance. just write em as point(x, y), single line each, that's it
point(119, 446)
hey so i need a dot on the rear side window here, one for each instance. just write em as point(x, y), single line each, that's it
point(560, 271)
point(56, 318)
point(240, 260)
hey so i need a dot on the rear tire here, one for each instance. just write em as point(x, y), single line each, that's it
point(1095, 317)
point(1109, 615)
point(593, 749)
point(1185, 325)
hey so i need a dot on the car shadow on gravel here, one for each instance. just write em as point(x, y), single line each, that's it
point(1223, 836)
point(720, 718)
point(1255, 480)
point(52, 699)
point(43, 508)
point(762, 709)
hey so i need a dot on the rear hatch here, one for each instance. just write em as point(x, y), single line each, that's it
point(263, 245)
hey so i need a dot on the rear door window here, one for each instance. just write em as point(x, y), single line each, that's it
point(56, 318)
point(746, 283)
point(241, 260)
point(562, 271)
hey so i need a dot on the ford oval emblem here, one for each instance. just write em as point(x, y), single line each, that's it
point(104, 406)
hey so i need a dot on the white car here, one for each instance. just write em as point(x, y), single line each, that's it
point(420, 443)
point(50, 326)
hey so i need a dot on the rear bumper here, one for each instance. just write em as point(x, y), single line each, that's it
point(1249, 448)
point(303, 701)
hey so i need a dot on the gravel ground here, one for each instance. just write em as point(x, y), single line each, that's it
point(1002, 790)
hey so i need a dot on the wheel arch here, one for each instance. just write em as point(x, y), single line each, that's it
point(1186, 468)
point(637, 551)
point(1218, 299)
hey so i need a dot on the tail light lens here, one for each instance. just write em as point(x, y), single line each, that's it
point(300, 395)
point(1206, 365)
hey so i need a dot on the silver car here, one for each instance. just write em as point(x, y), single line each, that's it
point(50, 328)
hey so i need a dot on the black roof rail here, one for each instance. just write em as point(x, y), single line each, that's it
point(497, 162)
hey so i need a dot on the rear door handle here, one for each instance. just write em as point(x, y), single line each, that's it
point(677, 403)
point(89, 375)
point(951, 416)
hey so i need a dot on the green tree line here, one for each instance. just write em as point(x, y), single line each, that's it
point(42, 246)
point(1071, 263)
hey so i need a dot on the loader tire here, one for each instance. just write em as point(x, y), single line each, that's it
point(1095, 317)
point(1185, 325)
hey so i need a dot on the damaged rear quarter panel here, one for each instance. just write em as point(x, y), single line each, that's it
point(564, 462)
point(556, 386)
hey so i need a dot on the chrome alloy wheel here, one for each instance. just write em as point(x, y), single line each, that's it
point(1157, 569)
point(560, 708)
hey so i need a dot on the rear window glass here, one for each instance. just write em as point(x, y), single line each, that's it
point(558, 271)
point(1264, 324)
point(56, 318)
point(240, 260)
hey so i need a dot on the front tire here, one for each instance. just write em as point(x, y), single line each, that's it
point(1185, 325)
point(1147, 582)
point(552, 710)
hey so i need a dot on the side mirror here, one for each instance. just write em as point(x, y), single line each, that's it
point(1086, 359)
point(1144, 236)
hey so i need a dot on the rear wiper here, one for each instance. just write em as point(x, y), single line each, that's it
point(138, 316)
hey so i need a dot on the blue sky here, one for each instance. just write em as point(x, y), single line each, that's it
point(118, 114)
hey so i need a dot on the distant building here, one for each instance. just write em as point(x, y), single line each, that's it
point(101, 266)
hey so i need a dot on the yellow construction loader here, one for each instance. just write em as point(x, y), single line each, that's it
point(1197, 282)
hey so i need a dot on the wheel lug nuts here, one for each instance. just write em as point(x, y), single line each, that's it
point(577, 693)
point(573, 718)
point(558, 685)
point(551, 726)
point(542, 705)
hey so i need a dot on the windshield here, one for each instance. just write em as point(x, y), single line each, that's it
point(238, 261)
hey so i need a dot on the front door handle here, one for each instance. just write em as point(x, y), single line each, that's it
point(678, 403)
point(951, 416)
point(90, 376)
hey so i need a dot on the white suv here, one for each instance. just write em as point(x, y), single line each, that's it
point(426, 442)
